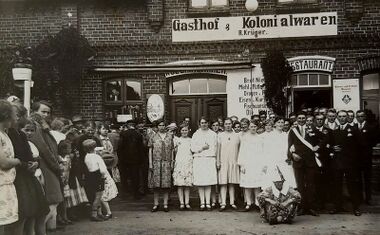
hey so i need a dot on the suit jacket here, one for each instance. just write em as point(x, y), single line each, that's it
point(131, 149)
point(307, 155)
point(348, 140)
point(367, 136)
point(323, 136)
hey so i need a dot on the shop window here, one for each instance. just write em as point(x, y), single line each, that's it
point(113, 91)
point(311, 80)
point(198, 86)
point(122, 96)
point(133, 90)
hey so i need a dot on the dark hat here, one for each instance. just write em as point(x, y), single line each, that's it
point(132, 121)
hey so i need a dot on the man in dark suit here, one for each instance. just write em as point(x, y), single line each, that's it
point(324, 186)
point(345, 142)
point(302, 147)
point(367, 135)
point(130, 152)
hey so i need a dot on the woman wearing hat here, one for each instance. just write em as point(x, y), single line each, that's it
point(278, 203)
point(160, 164)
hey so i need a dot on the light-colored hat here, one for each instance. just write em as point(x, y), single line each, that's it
point(13, 99)
point(172, 126)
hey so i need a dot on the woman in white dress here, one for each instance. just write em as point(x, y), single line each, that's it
point(203, 145)
point(251, 163)
point(8, 162)
point(183, 167)
point(276, 148)
point(227, 156)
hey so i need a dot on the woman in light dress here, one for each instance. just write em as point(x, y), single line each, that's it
point(203, 145)
point(8, 162)
point(227, 156)
point(276, 148)
point(183, 167)
point(251, 163)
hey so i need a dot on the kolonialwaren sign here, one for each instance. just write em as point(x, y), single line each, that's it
point(254, 27)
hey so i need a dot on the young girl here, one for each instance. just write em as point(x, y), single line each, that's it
point(64, 151)
point(183, 167)
point(95, 177)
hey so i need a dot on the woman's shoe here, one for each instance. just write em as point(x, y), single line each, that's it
point(155, 208)
point(166, 208)
point(182, 207)
point(222, 208)
point(213, 205)
point(108, 216)
point(234, 207)
point(202, 207)
point(208, 207)
point(247, 208)
point(188, 207)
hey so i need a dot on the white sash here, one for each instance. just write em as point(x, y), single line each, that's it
point(307, 144)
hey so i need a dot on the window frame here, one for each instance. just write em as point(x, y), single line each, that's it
point(209, 8)
point(298, 2)
point(123, 91)
point(197, 93)
point(308, 80)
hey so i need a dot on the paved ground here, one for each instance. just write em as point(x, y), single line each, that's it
point(175, 222)
point(134, 217)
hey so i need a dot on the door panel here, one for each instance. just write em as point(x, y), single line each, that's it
point(197, 106)
point(215, 107)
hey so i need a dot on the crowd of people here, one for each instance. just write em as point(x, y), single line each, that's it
point(282, 167)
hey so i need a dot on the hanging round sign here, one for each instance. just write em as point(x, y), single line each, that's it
point(155, 108)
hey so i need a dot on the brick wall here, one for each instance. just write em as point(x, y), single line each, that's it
point(125, 35)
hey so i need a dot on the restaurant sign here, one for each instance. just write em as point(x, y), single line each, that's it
point(254, 27)
point(312, 63)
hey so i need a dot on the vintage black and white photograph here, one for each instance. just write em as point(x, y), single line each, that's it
point(252, 117)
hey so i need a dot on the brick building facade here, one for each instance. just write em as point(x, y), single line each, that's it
point(136, 51)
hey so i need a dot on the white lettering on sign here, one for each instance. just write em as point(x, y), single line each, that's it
point(312, 63)
point(245, 96)
point(254, 27)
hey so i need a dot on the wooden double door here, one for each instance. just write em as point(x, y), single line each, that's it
point(210, 106)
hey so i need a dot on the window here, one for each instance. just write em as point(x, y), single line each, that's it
point(133, 90)
point(296, 1)
point(311, 80)
point(113, 91)
point(122, 96)
point(208, 4)
point(198, 86)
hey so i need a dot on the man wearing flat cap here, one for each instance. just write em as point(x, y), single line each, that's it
point(130, 153)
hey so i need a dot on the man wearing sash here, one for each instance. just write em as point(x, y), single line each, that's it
point(345, 143)
point(302, 150)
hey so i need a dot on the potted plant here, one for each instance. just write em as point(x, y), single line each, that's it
point(22, 65)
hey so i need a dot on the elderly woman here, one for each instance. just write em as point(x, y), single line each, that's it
point(278, 203)
point(204, 146)
point(8, 162)
point(161, 148)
